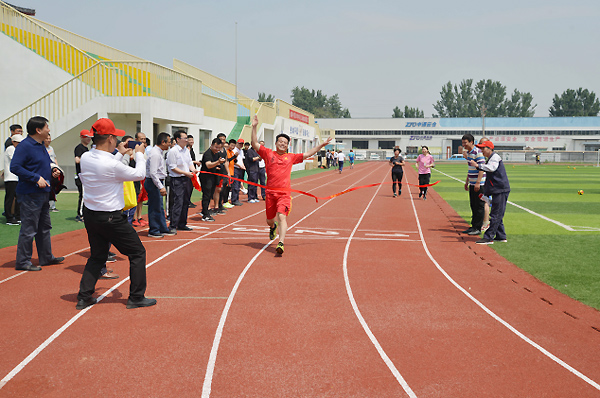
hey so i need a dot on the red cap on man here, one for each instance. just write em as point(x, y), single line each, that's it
point(106, 126)
point(85, 133)
point(485, 144)
point(240, 141)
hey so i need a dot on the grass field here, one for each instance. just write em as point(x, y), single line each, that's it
point(564, 259)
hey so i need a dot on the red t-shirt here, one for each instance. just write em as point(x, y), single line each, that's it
point(279, 167)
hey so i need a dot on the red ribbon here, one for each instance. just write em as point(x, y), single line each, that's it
point(197, 186)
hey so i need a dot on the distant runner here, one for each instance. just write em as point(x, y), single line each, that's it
point(397, 161)
point(279, 164)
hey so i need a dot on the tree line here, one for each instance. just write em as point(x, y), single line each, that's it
point(466, 99)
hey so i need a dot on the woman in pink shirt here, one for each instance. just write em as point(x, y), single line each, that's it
point(424, 162)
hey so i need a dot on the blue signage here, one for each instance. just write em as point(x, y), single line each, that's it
point(420, 124)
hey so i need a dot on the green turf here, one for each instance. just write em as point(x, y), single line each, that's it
point(566, 260)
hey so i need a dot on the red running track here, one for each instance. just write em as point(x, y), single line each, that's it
point(375, 296)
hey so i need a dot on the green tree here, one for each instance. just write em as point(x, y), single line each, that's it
point(263, 97)
point(580, 102)
point(466, 100)
point(318, 103)
point(397, 112)
point(408, 112)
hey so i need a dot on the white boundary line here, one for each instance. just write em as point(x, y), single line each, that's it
point(56, 334)
point(493, 315)
point(210, 368)
point(358, 314)
point(567, 227)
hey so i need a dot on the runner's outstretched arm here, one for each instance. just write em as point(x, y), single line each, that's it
point(316, 149)
point(254, 137)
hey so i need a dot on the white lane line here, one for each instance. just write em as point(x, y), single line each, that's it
point(56, 334)
point(358, 314)
point(210, 368)
point(493, 315)
point(14, 276)
point(567, 227)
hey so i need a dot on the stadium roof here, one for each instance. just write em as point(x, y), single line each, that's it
point(22, 10)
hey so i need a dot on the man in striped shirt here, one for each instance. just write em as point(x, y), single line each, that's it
point(475, 180)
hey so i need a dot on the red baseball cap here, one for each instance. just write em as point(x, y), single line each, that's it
point(85, 133)
point(240, 141)
point(106, 126)
point(486, 144)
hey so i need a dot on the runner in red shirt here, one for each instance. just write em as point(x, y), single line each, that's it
point(278, 165)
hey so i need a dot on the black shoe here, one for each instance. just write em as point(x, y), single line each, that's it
point(144, 302)
point(192, 205)
point(238, 203)
point(466, 231)
point(220, 212)
point(29, 268)
point(157, 236)
point(81, 304)
point(79, 219)
point(185, 228)
point(420, 194)
point(111, 254)
point(12, 222)
point(111, 259)
point(484, 241)
point(208, 219)
point(171, 232)
point(55, 260)
point(474, 231)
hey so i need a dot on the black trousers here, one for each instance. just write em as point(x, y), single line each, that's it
point(209, 183)
point(397, 179)
point(252, 177)
point(10, 199)
point(424, 180)
point(477, 207)
point(180, 189)
point(262, 180)
point(104, 228)
point(224, 196)
point(80, 201)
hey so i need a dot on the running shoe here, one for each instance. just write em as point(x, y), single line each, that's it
point(157, 236)
point(500, 240)
point(279, 248)
point(220, 212)
point(79, 219)
point(136, 223)
point(395, 195)
point(474, 231)
point(273, 232)
point(171, 232)
point(228, 205)
point(54, 210)
point(208, 219)
point(485, 227)
point(484, 241)
point(143, 222)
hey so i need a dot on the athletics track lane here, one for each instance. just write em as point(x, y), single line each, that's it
point(301, 318)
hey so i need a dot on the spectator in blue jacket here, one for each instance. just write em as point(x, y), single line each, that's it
point(31, 163)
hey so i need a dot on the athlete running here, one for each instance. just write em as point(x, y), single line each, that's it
point(278, 165)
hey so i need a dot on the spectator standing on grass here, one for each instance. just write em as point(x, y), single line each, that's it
point(181, 169)
point(102, 175)
point(424, 163)
point(496, 185)
point(155, 187)
point(279, 168)
point(262, 175)
point(473, 184)
point(11, 202)
point(397, 162)
point(239, 170)
point(85, 137)
point(31, 164)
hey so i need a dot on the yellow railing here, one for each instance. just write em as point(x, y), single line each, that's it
point(96, 50)
point(35, 37)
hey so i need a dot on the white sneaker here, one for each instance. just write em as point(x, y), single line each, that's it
point(244, 191)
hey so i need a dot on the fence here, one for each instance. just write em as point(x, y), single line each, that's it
point(551, 156)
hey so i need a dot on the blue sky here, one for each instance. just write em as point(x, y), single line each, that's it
point(376, 55)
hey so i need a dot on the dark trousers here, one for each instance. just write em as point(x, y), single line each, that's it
point(496, 229)
point(252, 177)
point(80, 201)
point(224, 196)
point(235, 187)
point(424, 180)
point(262, 180)
point(10, 198)
point(180, 189)
point(35, 224)
point(397, 180)
point(209, 183)
point(477, 207)
point(156, 212)
point(169, 195)
point(103, 228)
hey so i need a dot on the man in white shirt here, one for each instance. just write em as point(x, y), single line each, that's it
point(239, 169)
point(341, 159)
point(181, 169)
point(10, 184)
point(154, 184)
point(102, 176)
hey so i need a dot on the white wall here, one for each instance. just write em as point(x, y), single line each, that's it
point(24, 77)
